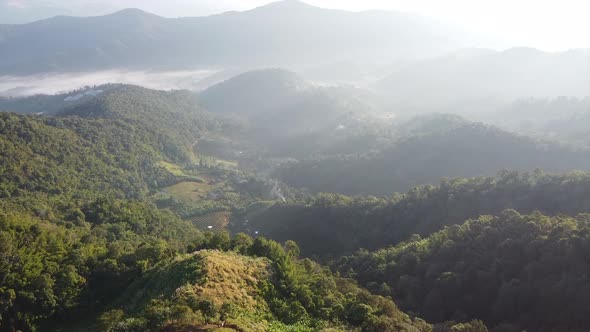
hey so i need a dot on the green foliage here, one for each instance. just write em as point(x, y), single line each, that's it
point(49, 270)
point(298, 295)
point(528, 270)
point(468, 150)
point(39, 273)
point(76, 226)
point(80, 236)
point(336, 224)
point(109, 319)
point(472, 326)
point(168, 122)
point(302, 290)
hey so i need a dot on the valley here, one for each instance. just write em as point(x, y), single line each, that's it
point(372, 171)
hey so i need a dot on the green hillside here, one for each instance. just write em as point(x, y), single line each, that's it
point(114, 212)
point(250, 284)
point(331, 224)
point(515, 272)
point(77, 220)
point(424, 156)
point(108, 198)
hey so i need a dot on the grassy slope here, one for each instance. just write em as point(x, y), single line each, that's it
point(221, 277)
point(224, 278)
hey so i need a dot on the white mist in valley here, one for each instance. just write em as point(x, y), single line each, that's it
point(56, 83)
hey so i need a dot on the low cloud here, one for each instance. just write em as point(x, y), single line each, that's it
point(59, 83)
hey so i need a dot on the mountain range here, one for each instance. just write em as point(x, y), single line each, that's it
point(482, 75)
point(268, 35)
point(306, 169)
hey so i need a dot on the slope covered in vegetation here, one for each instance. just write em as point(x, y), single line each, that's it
point(251, 285)
point(76, 226)
point(79, 227)
point(73, 226)
point(516, 272)
point(336, 224)
point(101, 206)
point(468, 150)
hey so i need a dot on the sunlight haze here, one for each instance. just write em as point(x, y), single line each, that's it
point(295, 165)
point(544, 24)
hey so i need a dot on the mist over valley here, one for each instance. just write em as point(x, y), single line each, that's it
point(294, 167)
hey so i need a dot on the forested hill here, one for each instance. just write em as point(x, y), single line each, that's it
point(77, 231)
point(283, 110)
point(317, 170)
point(251, 285)
point(516, 272)
point(252, 92)
point(167, 121)
point(128, 128)
point(103, 201)
point(85, 217)
point(76, 221)
point(463, 150)
point(331, 224)
point(74, 226)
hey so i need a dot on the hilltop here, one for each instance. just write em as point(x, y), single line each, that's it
point(250, 284)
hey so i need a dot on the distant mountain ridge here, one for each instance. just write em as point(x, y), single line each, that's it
point(477, 74)
point(254, 91)
point(284, 32)
point(430, 153)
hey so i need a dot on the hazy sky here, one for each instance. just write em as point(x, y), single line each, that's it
point(547, 24)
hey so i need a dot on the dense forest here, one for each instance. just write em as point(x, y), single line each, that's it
point(423, 158)
point(75, 218)
point(256, 284)
point(369, 167)
point(515, 272)
point(334, 224)
point(88, 212)
point(75, 226)
point(115, 211)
